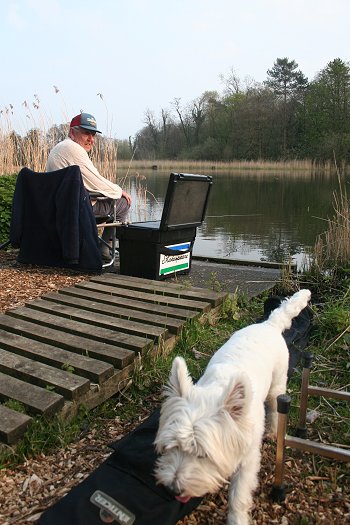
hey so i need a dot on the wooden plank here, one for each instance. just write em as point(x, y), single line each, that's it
point(174, 325)
point(342, 395)
point(164, 284)
point(69, 385)
point(34, 398)
point(161, 287)
point(322, 449)
point(117, 356)
point(96, 396)
point(96, 319)
point(199, 306)
point(12, 425)
point(106, 298)
point(96, 371)
point(124, 339)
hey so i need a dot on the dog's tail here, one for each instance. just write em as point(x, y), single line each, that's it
point(283, 315)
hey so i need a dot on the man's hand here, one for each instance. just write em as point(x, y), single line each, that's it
point(127, 197)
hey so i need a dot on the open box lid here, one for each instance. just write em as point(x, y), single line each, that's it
point(186, 201)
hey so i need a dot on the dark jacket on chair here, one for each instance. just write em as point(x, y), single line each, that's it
point(52, 221)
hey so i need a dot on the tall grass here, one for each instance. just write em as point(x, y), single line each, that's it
point(26, 137)
point(197, 166)
point(332, 247)
point(27, 134)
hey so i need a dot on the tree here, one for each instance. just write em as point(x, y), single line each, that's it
point(152, 126)
point(184, 120)
point(327, 112)
point(285, 79)
point(232, 83)
point(287, 82)
point(198, 112)
point(335, 78)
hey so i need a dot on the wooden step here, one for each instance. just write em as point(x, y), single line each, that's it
point(82, 342)
point(132, 304)
point(161, 287)
point(69, 385)
point(96, 319)
point(170, 323)
point(117, 356)
point(96, 371)
point(199, 306)
point(12, 425)
point(35, 399)
point(126, 339)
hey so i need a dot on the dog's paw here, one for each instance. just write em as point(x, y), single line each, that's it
point(270, 435)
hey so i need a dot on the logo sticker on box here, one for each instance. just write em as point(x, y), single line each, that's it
point(176, 262)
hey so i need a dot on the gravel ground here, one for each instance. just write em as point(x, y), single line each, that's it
point(319, 489)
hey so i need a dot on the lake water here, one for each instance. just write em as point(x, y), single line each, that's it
point(251, 216)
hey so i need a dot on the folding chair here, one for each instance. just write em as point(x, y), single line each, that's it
point(300, 441)
point(52, 221)
point(163, 248)
point(107, 221)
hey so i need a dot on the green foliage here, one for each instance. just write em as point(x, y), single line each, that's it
point(284, 78)
point(284, 117)
point(7, 188)
point(210, 149)
point(68, 368)
point(335, 318)
point(43, 435)
point(327, 110)
point(15, 405)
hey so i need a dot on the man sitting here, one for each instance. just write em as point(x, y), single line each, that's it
point(74, 151)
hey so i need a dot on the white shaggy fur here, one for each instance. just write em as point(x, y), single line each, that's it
point(212, 430)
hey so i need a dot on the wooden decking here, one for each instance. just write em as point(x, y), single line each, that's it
point(79, 346)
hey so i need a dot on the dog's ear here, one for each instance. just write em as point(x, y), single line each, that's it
point(180, 382)
point(238, 397)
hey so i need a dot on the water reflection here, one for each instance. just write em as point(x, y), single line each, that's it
point(251, 216)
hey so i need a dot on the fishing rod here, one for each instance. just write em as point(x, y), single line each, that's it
point(236, 215)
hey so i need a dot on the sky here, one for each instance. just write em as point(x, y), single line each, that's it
point(119, 59)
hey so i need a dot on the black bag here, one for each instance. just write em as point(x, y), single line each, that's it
point(297, 336)
point(123, 489)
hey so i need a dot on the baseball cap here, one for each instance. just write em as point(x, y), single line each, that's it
point(86, 121)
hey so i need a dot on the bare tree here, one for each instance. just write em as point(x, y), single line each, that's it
point(198, 115)
point(152, 126)
point(183, 120)
point(231, 82)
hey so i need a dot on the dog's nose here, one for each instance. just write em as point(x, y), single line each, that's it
point(175, 487)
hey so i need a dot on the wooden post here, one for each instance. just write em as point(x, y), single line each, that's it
point(283, 406)
point(301, 430)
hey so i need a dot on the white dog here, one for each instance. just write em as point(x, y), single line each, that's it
point(212, 430)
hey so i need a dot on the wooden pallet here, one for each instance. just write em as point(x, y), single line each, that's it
point(78, 346)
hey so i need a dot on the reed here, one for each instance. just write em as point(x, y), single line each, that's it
point(26, 137)
point(297, 168)
point(28, 133)
point(105, 158)
point(332, 247)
